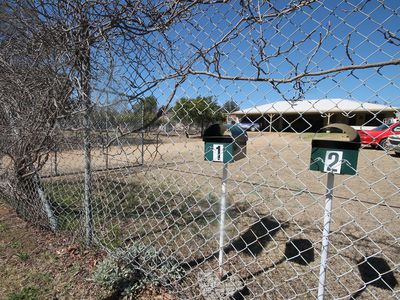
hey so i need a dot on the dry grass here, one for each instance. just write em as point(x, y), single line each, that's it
point(172, 203)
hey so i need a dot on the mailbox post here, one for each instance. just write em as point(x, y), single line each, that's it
point(225, 144)
point(333, 157)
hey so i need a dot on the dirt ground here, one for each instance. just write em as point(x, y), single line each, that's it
point(273, 200)
point(39, 265)
point(273, 184)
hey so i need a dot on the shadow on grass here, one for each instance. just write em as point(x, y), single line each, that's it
point(375, 271)
point(251, 242)
point(299, 251)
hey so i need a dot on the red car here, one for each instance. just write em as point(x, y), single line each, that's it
point(377, 136)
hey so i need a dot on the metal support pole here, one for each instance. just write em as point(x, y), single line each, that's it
point(222, 220)
point(142, 136)
point(88, 176)
point(106, 152)
point(85, 100)
point(271, 116)
point(325, 236)
point(329, 118)
point(55, 162)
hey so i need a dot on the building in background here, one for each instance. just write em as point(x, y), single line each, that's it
point(311, 115)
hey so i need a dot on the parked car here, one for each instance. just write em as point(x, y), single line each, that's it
point(393, 143)
point(377, 137)
point(252, 126)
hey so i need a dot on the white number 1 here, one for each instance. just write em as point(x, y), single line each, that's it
point(218, 151)
point(333, 161)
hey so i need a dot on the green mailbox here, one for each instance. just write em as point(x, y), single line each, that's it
point(224, 143)
point(333, 155)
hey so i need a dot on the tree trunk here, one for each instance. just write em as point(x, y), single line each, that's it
point(33, 203)
point(52, 221)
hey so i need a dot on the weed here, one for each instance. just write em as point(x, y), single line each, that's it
point(45, 277)
point(3, 227)
point(23, 256)
point(27, 293)
point(16, 245)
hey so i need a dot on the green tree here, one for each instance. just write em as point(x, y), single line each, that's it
point(230, 106)
point(143, 110)
point(199, 111)
point(104, 117)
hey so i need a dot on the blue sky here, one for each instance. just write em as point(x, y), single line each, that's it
point(335, 21)
point(367, 44)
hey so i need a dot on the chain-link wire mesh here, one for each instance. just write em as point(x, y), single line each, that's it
point(127, 168)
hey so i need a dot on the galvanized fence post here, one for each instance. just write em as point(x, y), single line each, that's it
point(325, 235)
point(222, 220)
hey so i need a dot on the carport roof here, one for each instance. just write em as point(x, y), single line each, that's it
point(316, 106)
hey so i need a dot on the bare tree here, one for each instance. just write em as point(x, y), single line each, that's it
point(53, 52)
point(34, 91)
point(256, 22)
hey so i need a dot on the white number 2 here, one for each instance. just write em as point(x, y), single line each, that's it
point(333, 161)
point(218, 151)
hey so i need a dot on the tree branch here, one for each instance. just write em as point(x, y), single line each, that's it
point(299, 76)
point(158, 115)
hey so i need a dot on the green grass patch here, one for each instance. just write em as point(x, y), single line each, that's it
point(117, 205)
point(3, 227)
point(23, 256)
point(65, 194)
point(69, 222)
point(45, 278)
point(112, 236)
point(16, 245)
point(27, 293)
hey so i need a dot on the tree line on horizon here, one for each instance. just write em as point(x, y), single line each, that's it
point(198, 112)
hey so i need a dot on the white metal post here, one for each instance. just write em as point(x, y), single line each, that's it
point(325, 235)
point(222, 220)
point(142, 137)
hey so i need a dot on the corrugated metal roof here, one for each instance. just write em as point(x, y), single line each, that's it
point(316, 106)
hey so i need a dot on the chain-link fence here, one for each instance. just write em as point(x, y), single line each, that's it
point(111, 143)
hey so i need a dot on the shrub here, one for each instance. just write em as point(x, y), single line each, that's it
point(128, 271)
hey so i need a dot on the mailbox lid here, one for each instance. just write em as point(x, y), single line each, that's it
point(218, 139)
point(238, 134)
point(353, 142)
point(215, 131)
point(223, 133)
point(332, 144)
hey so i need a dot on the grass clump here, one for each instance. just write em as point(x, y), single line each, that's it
point(27, 293)
point(129, 271)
